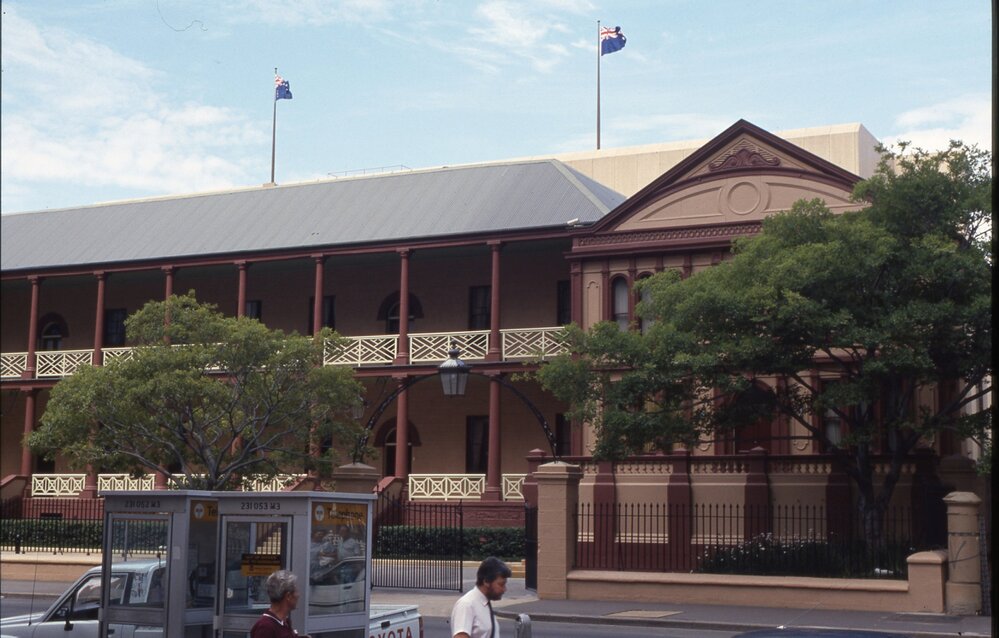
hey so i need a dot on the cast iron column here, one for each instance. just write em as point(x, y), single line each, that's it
point(495, 352)
point(241, 290)
point(29, 364)
point(402, 436)
point(402, 352)
point(317, 303)
point(29, 427)
point(494, 475)
point(99, 320)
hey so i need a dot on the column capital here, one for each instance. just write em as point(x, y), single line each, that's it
point(169, 270)
point(34, 279)
point(318, 258)
point(100, 275)
point(495, 244)
point(242, 264)
point(404, 252)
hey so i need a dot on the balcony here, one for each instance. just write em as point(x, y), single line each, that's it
point(517, 344)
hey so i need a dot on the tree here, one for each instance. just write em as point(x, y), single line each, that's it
point(887, 302)
point(208, 398)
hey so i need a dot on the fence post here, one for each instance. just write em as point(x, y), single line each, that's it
point(964, 576)
point(604, 516)
point(679, 514)
point(558, 496)
point(757, 509)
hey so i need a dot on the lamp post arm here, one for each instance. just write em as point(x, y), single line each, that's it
point(362, 441)
point(549, 435)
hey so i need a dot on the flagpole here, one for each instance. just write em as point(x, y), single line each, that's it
point(273, 131)
point(598, 85)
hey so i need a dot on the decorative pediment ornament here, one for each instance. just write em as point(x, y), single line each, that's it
point(745, 154)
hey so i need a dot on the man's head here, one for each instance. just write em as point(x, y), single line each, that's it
point(491, 578)
point(282, 587)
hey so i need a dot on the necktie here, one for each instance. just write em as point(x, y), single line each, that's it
point(492, 619)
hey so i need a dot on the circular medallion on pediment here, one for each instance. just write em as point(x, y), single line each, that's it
point(744, 197)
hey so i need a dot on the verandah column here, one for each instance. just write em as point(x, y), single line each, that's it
point(495, 352)
point(402, 352)
point(90, 483)
point(159, 478)
point(494, 476)
point(402, 436)
point(241, 289)
point(29, 427)
point(317, 299)
point(30, 362)
point(97, 357)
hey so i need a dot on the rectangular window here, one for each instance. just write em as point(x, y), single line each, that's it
point(563, 303)
point(114, 327)
point(254, 309)
point(476, 444)
point(479, 307)
point(329, 316)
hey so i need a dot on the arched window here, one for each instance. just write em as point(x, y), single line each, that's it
point(389, 312)
point(52, 330)
point(644, 296)
point(619, 303)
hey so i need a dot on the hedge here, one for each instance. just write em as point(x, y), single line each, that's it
point(407, 541)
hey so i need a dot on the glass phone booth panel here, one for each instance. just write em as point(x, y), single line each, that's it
point(136, 598)
point(252, 549)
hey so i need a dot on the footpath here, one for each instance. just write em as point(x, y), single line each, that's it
point(16, 580)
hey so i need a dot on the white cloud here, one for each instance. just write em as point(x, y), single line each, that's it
point(967, 118)
point(69, 125)
point(309, 12)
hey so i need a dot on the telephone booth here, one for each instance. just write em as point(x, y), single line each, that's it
point(193, 564)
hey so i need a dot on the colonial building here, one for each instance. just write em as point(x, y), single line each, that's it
point(491, 258)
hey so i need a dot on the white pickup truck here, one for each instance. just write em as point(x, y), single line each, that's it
point(140, 583)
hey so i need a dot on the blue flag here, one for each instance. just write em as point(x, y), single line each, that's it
point(282, 90)
point(611, 40)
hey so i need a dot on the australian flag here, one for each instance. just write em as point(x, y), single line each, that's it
point(611, 40)
point(282, 90)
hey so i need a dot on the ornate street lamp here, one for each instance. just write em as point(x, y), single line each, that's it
point(453, 374)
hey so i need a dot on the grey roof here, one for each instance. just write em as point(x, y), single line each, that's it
point(440, 202)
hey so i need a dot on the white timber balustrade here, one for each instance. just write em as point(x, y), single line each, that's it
point(56, 485)
point(13, 364)
point(359, 351)
point(426, 347)
point(434, 346)
point(524, 343)
point(446, 487)
point(122, 482)
point(513, 485)
point(61, 363)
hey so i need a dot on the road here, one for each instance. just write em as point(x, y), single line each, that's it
point(433, 627)
point(15, 605)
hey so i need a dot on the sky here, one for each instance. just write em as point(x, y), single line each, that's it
point(118, 99)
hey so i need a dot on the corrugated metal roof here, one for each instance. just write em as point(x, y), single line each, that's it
point(382, 208)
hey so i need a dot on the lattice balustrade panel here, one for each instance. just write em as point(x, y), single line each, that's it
point(62, 363)
point(12, 364)
point(358, 351)
point(125, 482)
point(57, 484)
point(524, 343)
point(434, 346)
point(513, 485)
point(270, 484)
point(446, 486)
point(117, 354)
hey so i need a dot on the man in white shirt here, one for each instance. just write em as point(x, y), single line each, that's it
point(472, 616)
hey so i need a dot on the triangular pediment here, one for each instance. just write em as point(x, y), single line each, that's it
point(742, 175)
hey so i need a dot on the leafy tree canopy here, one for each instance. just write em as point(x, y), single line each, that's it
point(892, 301)
point(209, 398)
